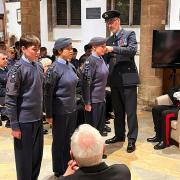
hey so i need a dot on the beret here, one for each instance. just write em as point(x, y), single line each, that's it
point(97, 41)
point(110, 14)
point(62, 43)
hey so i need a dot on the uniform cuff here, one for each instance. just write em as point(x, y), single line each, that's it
point(15, 126)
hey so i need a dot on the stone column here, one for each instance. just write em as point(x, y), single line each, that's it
point(30, 16)
point(153, 15)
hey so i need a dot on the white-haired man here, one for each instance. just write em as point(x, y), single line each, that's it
point(87, 148)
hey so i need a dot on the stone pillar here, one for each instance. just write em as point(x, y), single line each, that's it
point(153, 15)
point(30, 16)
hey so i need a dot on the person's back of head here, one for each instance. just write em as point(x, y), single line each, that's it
point(28, 40)
point(88, 49)
point(43, 51)
point(87, 146)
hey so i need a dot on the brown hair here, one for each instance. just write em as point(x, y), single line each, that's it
point(28, 40)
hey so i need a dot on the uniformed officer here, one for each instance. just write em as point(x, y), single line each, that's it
point(123, 79)
point(60, 103)
point(95, 75)
point(24, 97)
point(3, 80)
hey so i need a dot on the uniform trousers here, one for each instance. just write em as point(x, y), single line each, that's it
point(96, 117)
point(29, 151)
point(162, 116)
point(124, 100)
point(62, 130)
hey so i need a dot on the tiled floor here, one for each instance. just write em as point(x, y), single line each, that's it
point(145, 163)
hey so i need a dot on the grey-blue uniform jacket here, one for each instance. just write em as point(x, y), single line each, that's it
point(3, 80)
point(122, 67)
point(60, 88)
point(24, 93)
point(95, 75)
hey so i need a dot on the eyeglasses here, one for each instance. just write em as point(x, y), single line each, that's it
point(111, 21)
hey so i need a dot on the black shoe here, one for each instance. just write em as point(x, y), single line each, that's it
point(4, 118)
point(114, 140)
point(7, 125)
point(104, 156)
point(0, 123)
point(107, 129)
point(131, 147)
point(45, 131)
point(107, 122)
point(57, 174)
point(153, 139)
point(110, 116)
point(104, 133)
point(160, 145)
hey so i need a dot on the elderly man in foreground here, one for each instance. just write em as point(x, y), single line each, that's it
point(87, 148)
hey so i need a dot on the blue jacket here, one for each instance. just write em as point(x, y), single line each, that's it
point(95, 75)
point(60, 89)
point(3, 80)
point(122, 67)
point(24, 93)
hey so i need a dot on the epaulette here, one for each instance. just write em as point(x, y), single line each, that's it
point(16, 66)
point(49, 73)
point(13, 71)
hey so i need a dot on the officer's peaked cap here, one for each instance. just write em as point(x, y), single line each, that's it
point(110, 15)
point(97, 41)
point(62, 43)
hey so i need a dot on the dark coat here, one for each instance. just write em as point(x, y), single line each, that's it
point(122, 67)
point(101, 171)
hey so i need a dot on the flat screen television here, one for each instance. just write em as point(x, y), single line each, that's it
point(166, 49)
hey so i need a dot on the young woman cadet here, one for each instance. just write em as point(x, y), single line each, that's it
point(95, 75)
point(60, 103)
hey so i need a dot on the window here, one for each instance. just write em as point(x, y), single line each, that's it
point(1, 27)
point(12, 0)
point(130, 11)
point(68, 12)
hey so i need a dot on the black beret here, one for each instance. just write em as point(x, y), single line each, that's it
point(110, 15)
point(97, 41)
point(62, 43)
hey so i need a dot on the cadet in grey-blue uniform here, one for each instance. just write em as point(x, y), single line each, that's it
point(60, 103)
point(3, 80)
point(24, 95)
point(95, 75)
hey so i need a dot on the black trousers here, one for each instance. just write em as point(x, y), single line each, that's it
point(96, 117)
point(62, 129)
point(124, 102)
point(29, 151)
point(108, 103)
point(162, 115)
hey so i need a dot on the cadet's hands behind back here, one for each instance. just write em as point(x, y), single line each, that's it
point(49, 120)
point(16, 134)
point(88, 107)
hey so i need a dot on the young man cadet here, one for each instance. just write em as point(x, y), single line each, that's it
point(24, 104)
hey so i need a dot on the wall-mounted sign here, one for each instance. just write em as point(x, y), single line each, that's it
point(93, 13)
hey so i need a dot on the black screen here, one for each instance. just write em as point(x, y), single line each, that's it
point(166, 49)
